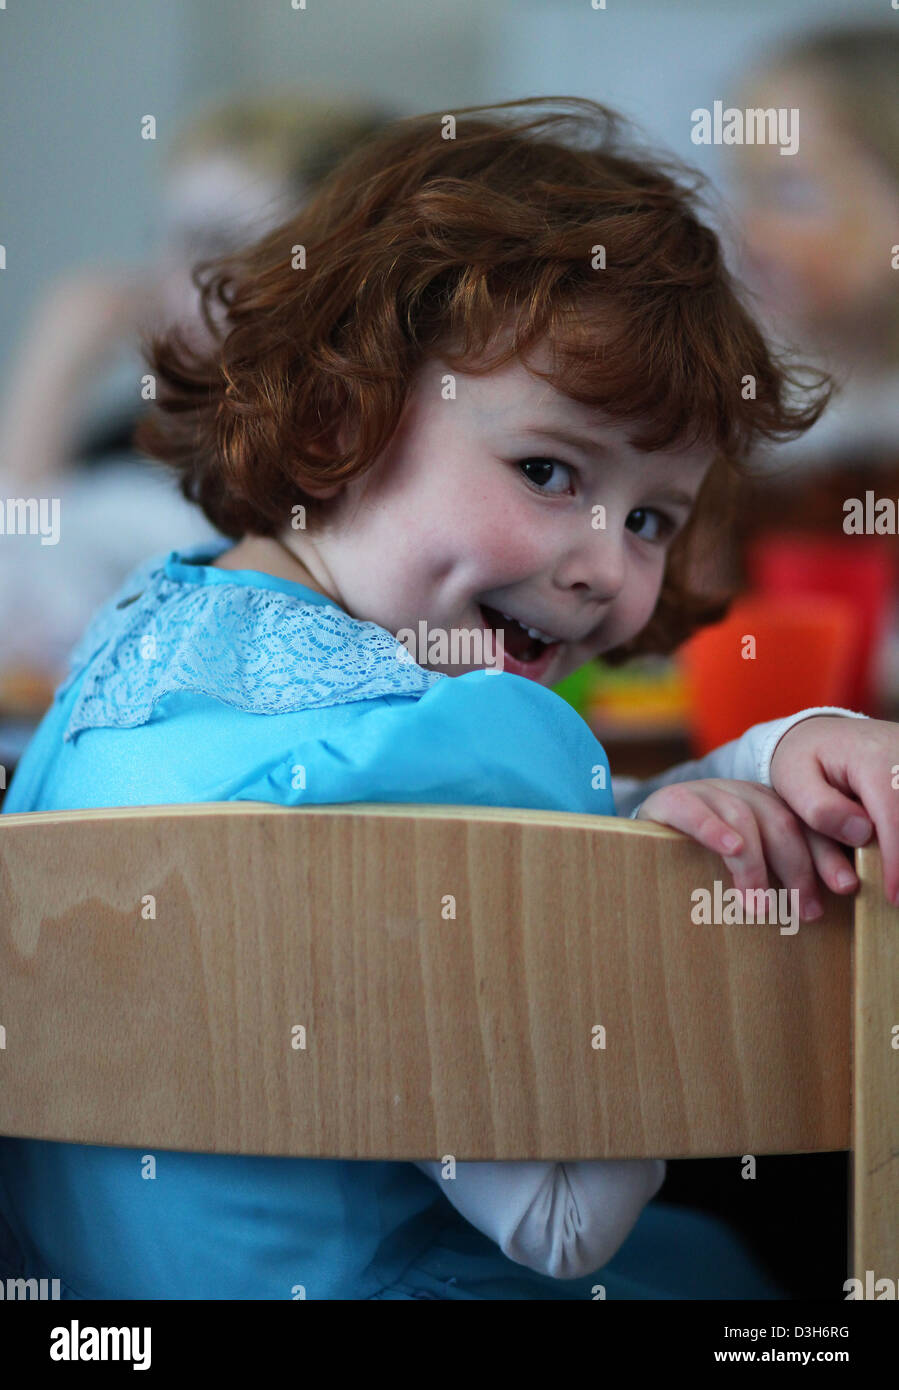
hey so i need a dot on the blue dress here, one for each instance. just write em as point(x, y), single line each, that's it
point(161, 706)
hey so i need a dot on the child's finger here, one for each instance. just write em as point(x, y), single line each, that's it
point(722, 822)
point(853, 822)
point(791, 858)
point(686, 810)
point(747, 864)
point(834, 868)
point(875, 787)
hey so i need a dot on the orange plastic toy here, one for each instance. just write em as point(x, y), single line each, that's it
point(769, 657)
point(860, 569)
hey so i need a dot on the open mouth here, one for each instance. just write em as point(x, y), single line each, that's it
point(519, 642)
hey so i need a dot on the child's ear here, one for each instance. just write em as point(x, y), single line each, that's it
point(331, 490)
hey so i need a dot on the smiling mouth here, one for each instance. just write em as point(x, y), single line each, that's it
point(518, 640)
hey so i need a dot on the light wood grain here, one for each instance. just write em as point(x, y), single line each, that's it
point(875, 1157)
point(425, 1036)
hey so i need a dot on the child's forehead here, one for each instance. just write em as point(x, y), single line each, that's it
point(512, 402)
point(521, 381)
point(513, 386)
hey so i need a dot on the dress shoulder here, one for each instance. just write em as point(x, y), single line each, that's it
point(254, 650)
point(481, 739)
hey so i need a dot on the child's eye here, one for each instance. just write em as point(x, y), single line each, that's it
point(665, 525)
point(543, 471)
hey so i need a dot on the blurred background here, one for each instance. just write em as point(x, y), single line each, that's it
point(247, 107)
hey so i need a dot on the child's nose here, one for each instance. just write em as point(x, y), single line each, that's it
point(596, 565)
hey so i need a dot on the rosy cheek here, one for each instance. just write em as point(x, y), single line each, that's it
point(639, 596)
point(508, 546)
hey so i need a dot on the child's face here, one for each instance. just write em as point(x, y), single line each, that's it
point(449, 528)
point(816, 224)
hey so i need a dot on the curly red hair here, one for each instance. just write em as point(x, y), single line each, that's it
point(418, 245)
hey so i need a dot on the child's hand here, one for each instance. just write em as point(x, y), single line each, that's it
point(839, 775)
point(753, 829)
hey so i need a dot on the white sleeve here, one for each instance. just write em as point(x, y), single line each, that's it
point(744, 759)
point(562, 1219)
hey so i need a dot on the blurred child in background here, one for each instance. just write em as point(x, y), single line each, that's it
point(73, 397)
point(820, 227)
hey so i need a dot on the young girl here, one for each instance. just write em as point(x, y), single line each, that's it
point(489, 380)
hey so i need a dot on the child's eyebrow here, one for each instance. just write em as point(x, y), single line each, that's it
point(570, 436)
point(676, 496)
